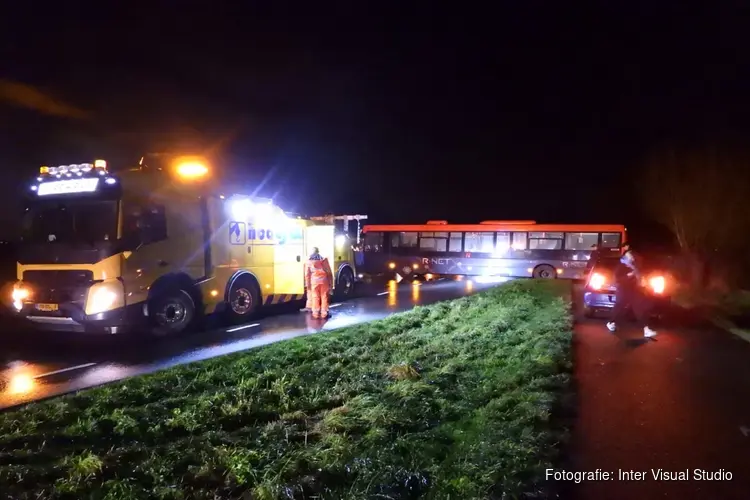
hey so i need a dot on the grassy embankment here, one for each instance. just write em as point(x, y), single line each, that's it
point(451, 400)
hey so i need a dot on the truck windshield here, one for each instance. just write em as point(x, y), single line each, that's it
point(71, 221)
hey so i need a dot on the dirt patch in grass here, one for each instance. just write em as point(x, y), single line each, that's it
point(450, 400)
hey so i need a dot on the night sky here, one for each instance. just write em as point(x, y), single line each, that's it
point(406, 114)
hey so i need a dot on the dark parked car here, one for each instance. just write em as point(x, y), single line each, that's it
point(600, 292)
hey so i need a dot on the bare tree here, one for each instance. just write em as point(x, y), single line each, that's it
point(703, 197)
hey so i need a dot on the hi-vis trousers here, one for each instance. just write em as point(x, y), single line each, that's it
point(319, 300)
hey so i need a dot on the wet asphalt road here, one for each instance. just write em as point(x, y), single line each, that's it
point(679, 403)
point(38, 366)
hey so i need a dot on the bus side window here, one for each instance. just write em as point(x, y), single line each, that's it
point(373, 242)
point(611, 240)
point(581, 241)
point(426, 241)
point(479, 242)
point(545, 241)
point(436, 242)
point(503, 242)
point(519, 241)
point(404, 240)
point(456, 242)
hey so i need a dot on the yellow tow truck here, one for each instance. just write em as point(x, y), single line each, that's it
point(158, 249)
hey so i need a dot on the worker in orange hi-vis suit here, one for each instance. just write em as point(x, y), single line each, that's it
point(318, 281)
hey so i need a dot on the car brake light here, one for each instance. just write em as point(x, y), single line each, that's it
point(596, 282)
point(657, 284)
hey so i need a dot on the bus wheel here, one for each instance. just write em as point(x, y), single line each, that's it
point(589, 312)
point(171, 312)
point(345, 283)
point(545, 271)
point(244, 300)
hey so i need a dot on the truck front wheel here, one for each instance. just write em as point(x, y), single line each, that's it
point(171, 312)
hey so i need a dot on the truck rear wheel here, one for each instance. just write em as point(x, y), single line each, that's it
point(243, 300)
point(171, 312)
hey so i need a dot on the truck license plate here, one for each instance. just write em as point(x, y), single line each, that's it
point(47, 307)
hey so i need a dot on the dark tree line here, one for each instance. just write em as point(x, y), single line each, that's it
point(702, 194)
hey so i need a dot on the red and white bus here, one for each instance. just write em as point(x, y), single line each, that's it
point(490, 248)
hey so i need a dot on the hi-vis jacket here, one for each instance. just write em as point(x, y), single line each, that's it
point(318, 272)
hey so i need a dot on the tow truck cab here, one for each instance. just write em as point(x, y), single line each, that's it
point(157, 249)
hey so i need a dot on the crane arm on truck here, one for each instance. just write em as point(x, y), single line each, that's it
point(331, 218)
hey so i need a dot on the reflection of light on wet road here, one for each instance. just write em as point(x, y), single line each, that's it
point(243, 327)
point(349, 320)
point(21, 384)
point(491, 279)
point(392, 293)
point(415, 292)
point(23, 378)
point(63, 370)
point(469, 285)
point(107, 373)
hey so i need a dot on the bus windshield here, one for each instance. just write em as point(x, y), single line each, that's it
point(70, 221)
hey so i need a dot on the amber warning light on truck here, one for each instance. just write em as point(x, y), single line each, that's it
point(191, 168)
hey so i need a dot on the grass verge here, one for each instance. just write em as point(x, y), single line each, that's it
point(729, 311)
point(449, 401)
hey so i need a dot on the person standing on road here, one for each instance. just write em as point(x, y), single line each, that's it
point(630, 294)
point(593, 257)
point(318, 281)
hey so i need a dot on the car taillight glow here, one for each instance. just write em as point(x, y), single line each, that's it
point(657, 284)
point(596, 282)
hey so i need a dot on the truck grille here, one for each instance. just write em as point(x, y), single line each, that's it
point(59, 286)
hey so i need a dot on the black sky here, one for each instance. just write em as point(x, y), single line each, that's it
point(534, 112)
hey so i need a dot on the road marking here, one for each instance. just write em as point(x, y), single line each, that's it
point(743, 334)
point(384, 293)
point(745, 430)
point(238, 328)
point(334, 305)
point(69, 369)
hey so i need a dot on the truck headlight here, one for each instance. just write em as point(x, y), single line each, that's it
point(19, 294)
point(105, 296)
